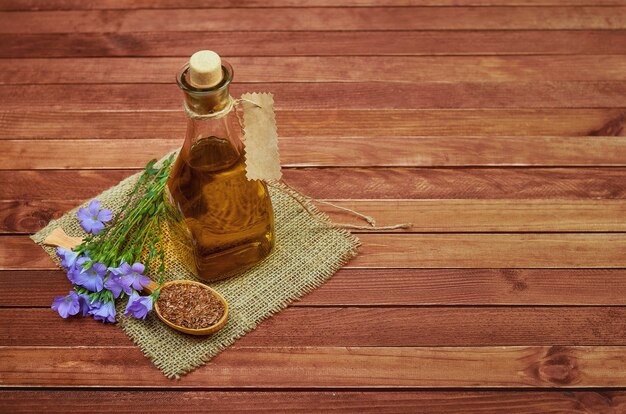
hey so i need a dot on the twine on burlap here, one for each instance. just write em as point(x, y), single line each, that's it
point(309, 250)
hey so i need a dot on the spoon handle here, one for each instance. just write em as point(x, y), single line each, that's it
point(60, 239)
point(152, 286)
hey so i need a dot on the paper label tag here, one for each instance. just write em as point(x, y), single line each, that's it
point(260, 137)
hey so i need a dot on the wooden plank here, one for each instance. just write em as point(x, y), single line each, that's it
point(151, 124)
point(352, 327)
point(376, 402)
point(324, 69)
point(314, 19)
point(393, 151)
point(492, 42)
point(36, 5)
point(489, 215)
point(491, 250)
point(369, 287)
point(11, 181)
point(357, 95)
point(442, 287)
point(441, 251)
point(30, 217)
point(360, 183)
point(477, 367)
point(444, 216)
point(488, 183)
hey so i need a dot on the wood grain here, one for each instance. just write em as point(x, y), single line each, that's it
point(353, 327)
point(334, 123)
point(316, 69)
point(467, 183)
point(445, 216)
point(30, 217)
point(492, 250)
point(380, 95)
point(360, 183)
point(577, 250)
point(176, 4)
point(333, 152)
point(337, 401)
point(362, 43)
point(396, 287)
point(315, 19)
point(498, 133)
point(490, 215)
point(325, 367)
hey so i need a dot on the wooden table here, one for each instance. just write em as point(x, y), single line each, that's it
point(497, 131)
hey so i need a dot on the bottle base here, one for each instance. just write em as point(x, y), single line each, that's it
point(233, 261)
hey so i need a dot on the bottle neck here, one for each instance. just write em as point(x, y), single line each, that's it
point(206, 101)
point(208, 113)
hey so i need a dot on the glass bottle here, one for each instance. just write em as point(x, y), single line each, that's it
point(230, 218)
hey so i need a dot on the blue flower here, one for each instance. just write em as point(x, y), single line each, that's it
point(92, 278)
point(66, 305)
point(85, 303)
point(138, 306)
point(68, 257)
point(131, 276)
point(76, 268)
point(116, 285)
point(103, 311)
point(92, 219)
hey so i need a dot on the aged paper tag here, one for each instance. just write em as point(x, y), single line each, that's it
point(260, 137)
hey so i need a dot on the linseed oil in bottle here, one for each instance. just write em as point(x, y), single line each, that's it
point(230, 218)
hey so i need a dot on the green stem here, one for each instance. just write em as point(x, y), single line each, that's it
point(134, 228)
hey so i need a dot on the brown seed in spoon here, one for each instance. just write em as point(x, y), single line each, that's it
point(189, 305)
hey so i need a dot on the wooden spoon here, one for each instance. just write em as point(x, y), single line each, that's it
point(60, 239)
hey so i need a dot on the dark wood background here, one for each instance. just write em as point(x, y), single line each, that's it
point(495, 126)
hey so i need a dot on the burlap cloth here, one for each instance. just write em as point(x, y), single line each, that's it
point(308, 251)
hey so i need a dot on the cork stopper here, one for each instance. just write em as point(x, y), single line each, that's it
point(205, 69)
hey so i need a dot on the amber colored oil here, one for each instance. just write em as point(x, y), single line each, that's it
point(230, 217)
